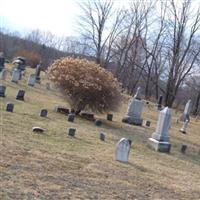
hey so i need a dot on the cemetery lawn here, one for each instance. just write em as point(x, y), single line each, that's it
point(55, 166)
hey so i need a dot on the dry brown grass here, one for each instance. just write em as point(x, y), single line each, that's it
point(54, 166)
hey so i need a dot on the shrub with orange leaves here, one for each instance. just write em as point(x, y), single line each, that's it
point(85, 84)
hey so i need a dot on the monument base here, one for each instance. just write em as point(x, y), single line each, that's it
point(160, 146)
point(132, 120)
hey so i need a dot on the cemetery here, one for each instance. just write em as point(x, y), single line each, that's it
point(49, 152)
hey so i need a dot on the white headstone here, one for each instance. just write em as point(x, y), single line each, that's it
point(186, 113)
point(160, 138)
point(184, 127)
point(138, 93)
point(31, 80)
point(3, 74)
point(122, 150)
point(15, 75)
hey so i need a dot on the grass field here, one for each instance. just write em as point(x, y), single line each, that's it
point(55, 166)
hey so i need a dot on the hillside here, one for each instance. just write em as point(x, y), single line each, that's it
point(55, 166)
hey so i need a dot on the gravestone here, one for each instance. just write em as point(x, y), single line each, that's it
point(20, 95)
point(2, 61)
point(138, 94)
point(15, 75)
point(31, 80)
point(98, 122)
point(148, 123)
point(71, 117)
point(109, 117)
point(2, 90)
point(186, 114)
point(160, 139)
point(37, 129)
point(184, 127)
point(43, 113)
point(48, 86)
point(72, 132)
point(159, 104)
point(3, 74)
point(122, 150)
point(61, 109)
point(87, 115)
point(183, 148)
point(134, 112)
point(102, 136)
point(9, 107)
point(37, 72)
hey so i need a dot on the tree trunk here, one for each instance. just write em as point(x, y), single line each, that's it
point(197, 104)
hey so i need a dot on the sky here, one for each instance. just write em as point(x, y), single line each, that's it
point(56, 16)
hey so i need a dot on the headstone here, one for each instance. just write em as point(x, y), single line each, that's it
point(71, 117)
point(20, 95)
point(138, 94)
point(48, 86)
point(31, 80)
point(160, 139)
point(102, 136)
point(186, 114)
point(122, 150)
point(9, 107)
point(15, 75)
point(2, 90)
point(61, 109)
point(43, 113)
point(183, 148)
point(98, 122)
point(87, 115)
point(109, 117)
point(72, 132)
point(37, 72)
point(134, 112)
point(3, 74)
point(159, 105)
point(2, 61)
point(184, 127)
point(148, 123)
point(37, 129)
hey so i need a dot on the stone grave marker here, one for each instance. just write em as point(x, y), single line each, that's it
point(43, 113)
point(109, 117)
point(3, 74)
point(72, 132)
point(2, 90)
point(31, 80)
point(20, 95)
point(37, 72)
point(184, 127)
point(102, 136)
point(61, 109)
point(186, 114)
point(160, 139)
point(122, 150)
point(71, 117)
point(48, 86)
point(15, 75)
point(159, 104)
point(2, 61)
point(138, 94)
point(87, 115)
point(183, 148)
point(37, 129)
point(98, 122)
point(148, 123)
point(9, 107)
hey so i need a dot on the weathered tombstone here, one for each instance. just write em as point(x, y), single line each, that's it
point(61, 109)
point(71, 117)
point(138, 94)
point(37, 72)
point(31, 80)
point(48, 86)
point(98, 122)
point(184, 127)
point(148, 123)
point(43, 113)
point(87, 115)
point(72, 132)
point(186, 114)
point(183, 148)
point(160, 139)
point(3, 74)
point(37, 129)
point(102, 136)
point(122, 150)
point(109, 117)
point(2, 90)
point(159, 104)
point(2, 61)
point(15, 75)
point(9, 107)
point(134, 112)
point(20, 95)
